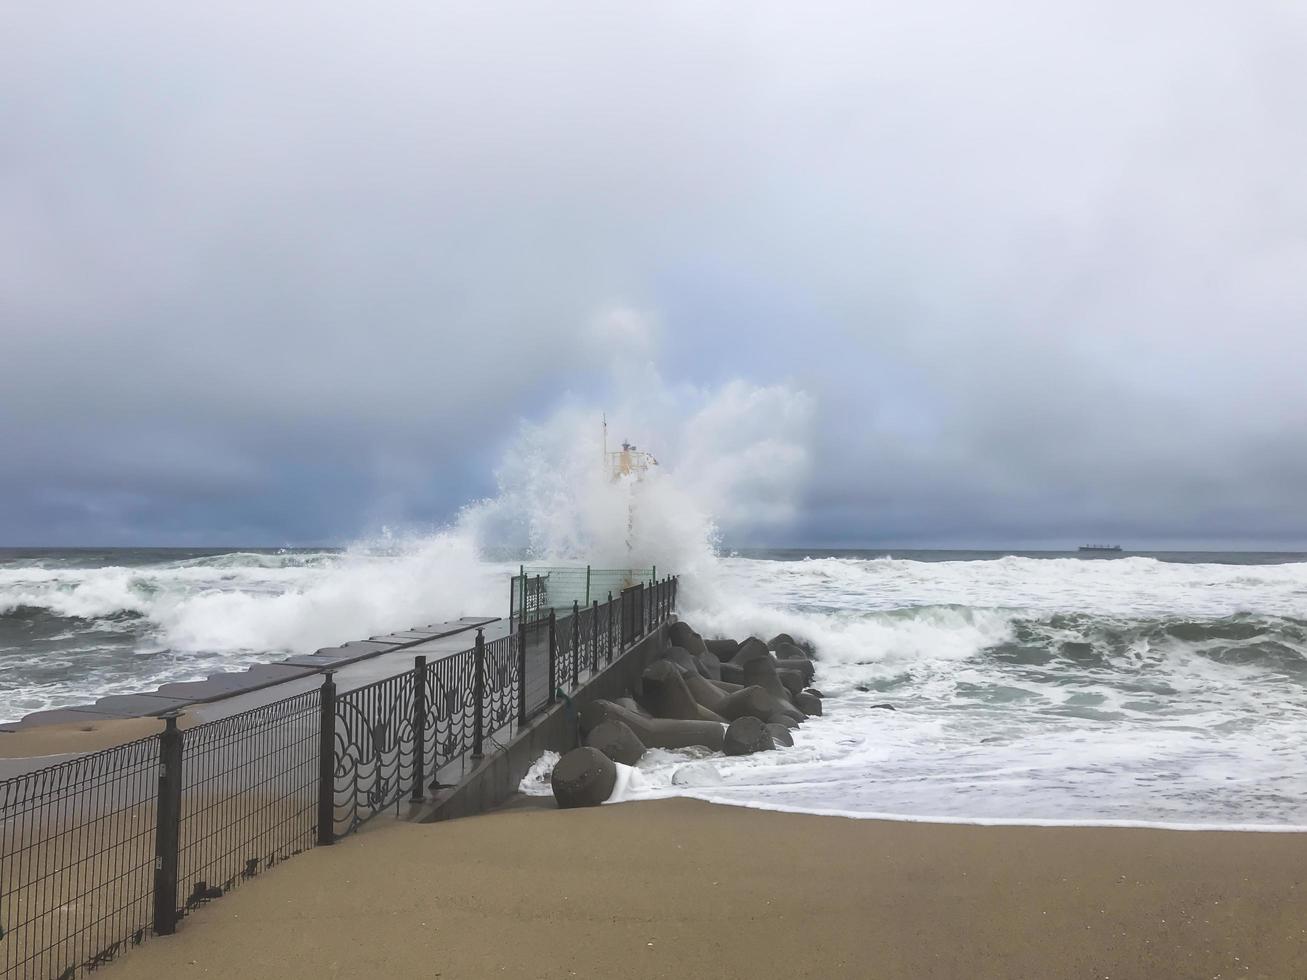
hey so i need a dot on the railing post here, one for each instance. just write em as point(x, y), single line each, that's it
point(167, 826)
point(594, 636)
point(610, 626)
point(521, 673)
point(419, 727)
point(479, 693)
point(553, 655)
point(327, 763)
point(576, 641)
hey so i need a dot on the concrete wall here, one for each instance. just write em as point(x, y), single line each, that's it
point(498, 775)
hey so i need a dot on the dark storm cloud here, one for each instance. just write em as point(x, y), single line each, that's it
point(284, 272)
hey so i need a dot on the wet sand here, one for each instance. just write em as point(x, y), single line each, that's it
point(683, 889)
point(76, 738)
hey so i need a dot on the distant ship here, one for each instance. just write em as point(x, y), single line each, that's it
point(1100, 549)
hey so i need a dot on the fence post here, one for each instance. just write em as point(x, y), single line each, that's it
point(327, 763)
point(479, 693)
point(610, 626)
point(521, 672)
point(419, 726)
point(594, 636)
point(167, 825)
point(553, 655)
point(576, 640)
point(587, 585)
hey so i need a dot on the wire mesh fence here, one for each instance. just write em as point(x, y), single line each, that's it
point(77, 848)
point(99, 852)
point(536, 590)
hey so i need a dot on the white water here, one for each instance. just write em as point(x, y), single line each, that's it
point(1025, 689)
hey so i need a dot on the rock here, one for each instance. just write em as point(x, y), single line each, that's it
point(804, 667)
point(665, 695)
point(778, 639)
point(583, 777)
point(809, 704)
point(697, 774)
point(779, 734)
point(656, 733)
point(745, 736)
point(722, 649)
point(615, 739)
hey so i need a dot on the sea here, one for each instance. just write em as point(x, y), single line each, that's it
point(1158, 689)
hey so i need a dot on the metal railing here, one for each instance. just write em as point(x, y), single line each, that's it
point(99, 852)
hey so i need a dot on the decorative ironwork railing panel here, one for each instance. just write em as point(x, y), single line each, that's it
point(375, 749)
point(450, 710)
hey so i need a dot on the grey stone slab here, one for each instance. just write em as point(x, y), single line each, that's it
point(138, 705)
point(228, 685)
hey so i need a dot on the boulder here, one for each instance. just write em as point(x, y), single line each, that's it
point(745, 736)
point(665, 695)
point(656, 733)
point(809, 704)
point(615, 739)
point(583, 777)
point(779, 734)
point(722, 649)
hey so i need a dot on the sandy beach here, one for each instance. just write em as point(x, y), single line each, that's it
point(680, 888)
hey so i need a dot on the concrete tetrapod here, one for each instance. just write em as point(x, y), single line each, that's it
point(615, 739)
point(745, 701)
point(746, 736)
point(656, 733)
point(779, 734)
point(583, 777)
point(809, 704)
point(722, 649)
point(683, 658)
point(762, 671)
point(778, 639)
point(666, 696)
point(804, 667)
point(681, 635)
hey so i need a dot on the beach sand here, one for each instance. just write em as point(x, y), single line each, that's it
point(42, 741)
point(684, 889)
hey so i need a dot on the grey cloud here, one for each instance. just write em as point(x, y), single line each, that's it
point(284, 272)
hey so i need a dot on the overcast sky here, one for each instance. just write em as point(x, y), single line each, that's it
point(280, 273)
